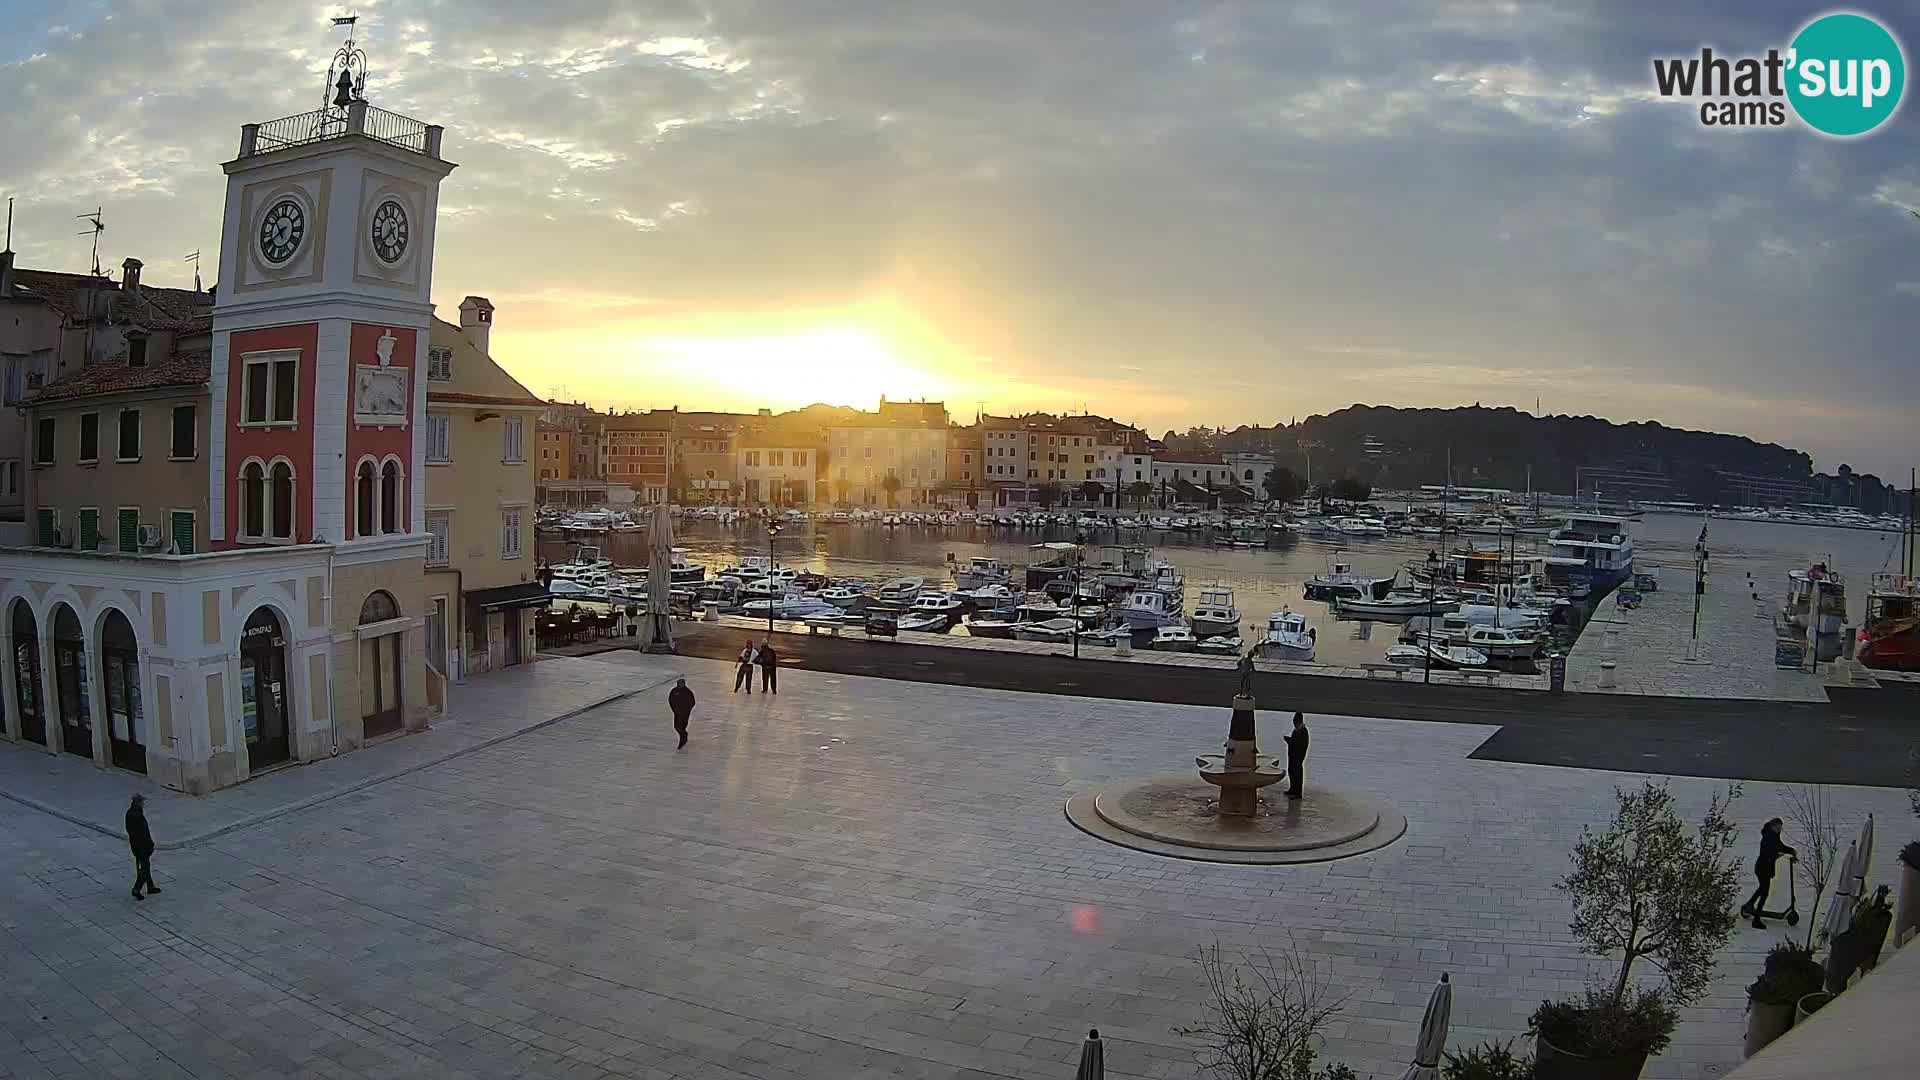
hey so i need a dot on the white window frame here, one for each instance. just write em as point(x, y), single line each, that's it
point(440, 363)
point(269, 361)
point(439, 431)
point(513, 440)
point(512, 532)
point(440, 539)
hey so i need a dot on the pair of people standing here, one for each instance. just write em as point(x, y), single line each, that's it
point(768, 661)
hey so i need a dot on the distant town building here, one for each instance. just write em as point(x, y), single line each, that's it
point(902, 446)
point(777, 470)
point(638, 451)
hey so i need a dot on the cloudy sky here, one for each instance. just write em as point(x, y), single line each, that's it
point(1175, 213)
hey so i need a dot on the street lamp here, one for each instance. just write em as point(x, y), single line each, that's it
point(1073, 602)
point(1426, 644)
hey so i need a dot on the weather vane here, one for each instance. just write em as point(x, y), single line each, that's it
point(347, 72)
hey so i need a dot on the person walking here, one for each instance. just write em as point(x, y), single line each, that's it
point(140, 839)
point(680, 700)
point(769, 672)
point(1297, 756)
point(1771, 848)
point(743, 675)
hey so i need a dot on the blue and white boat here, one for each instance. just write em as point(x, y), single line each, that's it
point(1591, 551)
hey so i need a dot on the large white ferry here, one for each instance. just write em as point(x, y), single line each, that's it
point(1591, 550)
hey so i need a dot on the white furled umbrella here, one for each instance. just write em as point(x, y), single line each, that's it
point(660, 582)
point(1433, 1034)
point(1846, 892)
point(1093, 1058)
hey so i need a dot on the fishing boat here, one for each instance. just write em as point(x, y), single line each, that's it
point(1107, 635)
point(1220, 645)
point(988, 596)
point(1890, 634)
point(1444, 657)
point(1214, 613)
point(1360, 526)
point(1590, 550)
point(926, 621)
point(1056, 562)
point(841, 596)
point(899, 592)
point(938, 603)
point(1340, 581)
point(1175, 637)
point(1498, 642)
point(995, 623)
point(1288, 637)
point(1055, 631)
point(788, 607)
point(1149, 609)
point(1802, 587)
point(1395, 605)
point(979, 572)
point(751, 567)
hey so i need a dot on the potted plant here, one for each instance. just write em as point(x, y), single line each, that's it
point(1488, 1061)
point(1907, 916)
point(1644, 888)
point(1811, 1004)
point(1790, 974)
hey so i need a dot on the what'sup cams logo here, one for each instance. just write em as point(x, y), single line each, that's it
point(1843, 75)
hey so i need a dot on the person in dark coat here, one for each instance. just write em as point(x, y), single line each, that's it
point(769, 673)
point(140, 839)
point(1771, 848)
point(1297, 755)
point(743, 675)
point(680, 700)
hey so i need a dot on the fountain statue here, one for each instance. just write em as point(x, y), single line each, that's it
point(1243, 770)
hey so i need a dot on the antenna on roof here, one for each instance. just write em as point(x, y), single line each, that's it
point(194, 258)
point(98, 228)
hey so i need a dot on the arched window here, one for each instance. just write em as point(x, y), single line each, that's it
point(363, 500)
point(378, 607)
point(390, 497)
point(253, 500)
point(281, 498)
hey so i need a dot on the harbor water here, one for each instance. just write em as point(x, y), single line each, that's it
point(1266, 580)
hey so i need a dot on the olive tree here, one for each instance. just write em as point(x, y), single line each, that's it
point(1263, 1017)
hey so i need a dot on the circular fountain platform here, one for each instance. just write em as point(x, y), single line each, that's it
point(1175, 814)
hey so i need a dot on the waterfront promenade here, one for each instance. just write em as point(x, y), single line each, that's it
point(859, 877)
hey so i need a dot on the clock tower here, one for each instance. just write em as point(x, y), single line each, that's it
point(318, 374)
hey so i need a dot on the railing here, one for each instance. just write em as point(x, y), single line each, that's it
point(358, 118)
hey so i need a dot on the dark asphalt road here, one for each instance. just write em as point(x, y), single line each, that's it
point(1865, 737)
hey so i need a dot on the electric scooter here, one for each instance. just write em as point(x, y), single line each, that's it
point(1792, 914)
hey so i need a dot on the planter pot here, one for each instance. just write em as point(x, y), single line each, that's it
point(1809, 1005)
point(1907, 915)
point(1844, 953)
point(1765, 1023)
point(1552, 1063)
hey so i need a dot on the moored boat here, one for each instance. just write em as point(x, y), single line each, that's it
point(1288, 637)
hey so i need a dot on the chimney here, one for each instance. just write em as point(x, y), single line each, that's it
point(130, 277)
point(6, 273)
point(476, 320)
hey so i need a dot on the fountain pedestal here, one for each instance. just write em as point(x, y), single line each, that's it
point(1243, 770)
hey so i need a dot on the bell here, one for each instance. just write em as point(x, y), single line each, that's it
point(344, 96)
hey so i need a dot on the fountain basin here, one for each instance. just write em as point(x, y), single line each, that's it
point(1177, 814)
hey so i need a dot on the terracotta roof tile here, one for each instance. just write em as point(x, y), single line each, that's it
point(453, 397)
point(154, 308)
point(184, 371)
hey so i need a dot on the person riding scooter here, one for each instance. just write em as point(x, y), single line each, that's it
point(1771, 848)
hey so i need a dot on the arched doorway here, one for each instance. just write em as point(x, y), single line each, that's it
point(263, 690)
point(26, 674)
point(70, 683)
point(120, 672)
point(379, 667)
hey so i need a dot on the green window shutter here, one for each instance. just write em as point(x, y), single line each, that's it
point(183, 532)
point(46, 527)
point(89, 529)
point(129, 530)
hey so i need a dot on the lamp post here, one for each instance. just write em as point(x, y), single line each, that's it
point(773, 530)
point(1073, 602)
point(1426, 644)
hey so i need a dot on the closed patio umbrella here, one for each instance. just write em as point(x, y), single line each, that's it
point(660, 582)
point(1846, 892)
point(1433, 1034)
point(1093, 1058)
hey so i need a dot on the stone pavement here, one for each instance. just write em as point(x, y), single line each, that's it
point(856, 878)
point(481, 711)
point(1736, 643)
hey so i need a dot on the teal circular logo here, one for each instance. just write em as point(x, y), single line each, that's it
point(1846, 74)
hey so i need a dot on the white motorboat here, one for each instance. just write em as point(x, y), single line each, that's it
point(996, 623)
point(1288, 637)
point(683, 571)
point(1221, 645)
point(841, 596)
point(1150, 609)
point(763, 589)
point(789, 607)
point(1214, 613)
point(929, 622)
point(1340, 581)
point(980, 572)
point(1050, 630)
point(938, 603)
point(1395, 605)
point(988, 596)
point(1498, 642)
point(1175, 637)
point(751, 567)
point(1360, 526)
point(1492, 526)
point(900, 591)
point(1444, 657)
point(1505, 615)
point(1108, 636)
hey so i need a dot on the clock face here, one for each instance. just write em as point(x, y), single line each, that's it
point(282, 230)
point(389, 231)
